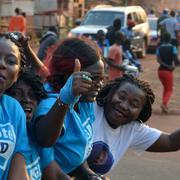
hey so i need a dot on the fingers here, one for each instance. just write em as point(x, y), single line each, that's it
point(77, 65)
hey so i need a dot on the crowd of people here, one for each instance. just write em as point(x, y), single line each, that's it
point(62, 119)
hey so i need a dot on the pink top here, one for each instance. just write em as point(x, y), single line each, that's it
point(115, 54)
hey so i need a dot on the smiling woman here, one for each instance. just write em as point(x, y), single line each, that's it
point(122, 107)
point(12, 119)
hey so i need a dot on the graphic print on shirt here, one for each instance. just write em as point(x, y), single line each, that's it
point(34, 170)
point(88, 130)
point(7, 144)
point(101, 159)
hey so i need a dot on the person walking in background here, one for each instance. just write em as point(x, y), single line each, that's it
point(115, 57)
point(163, 16)
point(103, 43)
point(128, 31)
point(167, 57)
point(171, 26)
point(112, 30)
point(17, 22)
point(48, 39)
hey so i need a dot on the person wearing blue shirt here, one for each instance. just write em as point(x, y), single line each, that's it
point(74, 91)
point(28, 90)
point(167, 57)
point(13, 136)
point(103, 43)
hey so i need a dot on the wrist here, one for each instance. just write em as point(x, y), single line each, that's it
point(61, 104)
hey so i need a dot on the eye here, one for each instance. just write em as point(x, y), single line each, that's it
point(135, 104)
point(11, 60)
point(122, 97)
point(32, 95)
point(16, 93)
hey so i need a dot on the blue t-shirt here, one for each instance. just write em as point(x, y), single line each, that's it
point(75, 144)
point(13, 135)
point(39, 157)
point(167, 52)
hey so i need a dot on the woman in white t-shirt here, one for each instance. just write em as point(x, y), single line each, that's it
point(122, 107)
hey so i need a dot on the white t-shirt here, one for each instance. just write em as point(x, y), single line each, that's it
point(109, 145)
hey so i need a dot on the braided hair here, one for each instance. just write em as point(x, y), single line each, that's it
point(14, 39)
point(33, 80)
point(109, 89)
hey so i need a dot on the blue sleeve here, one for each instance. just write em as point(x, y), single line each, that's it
point(22, 145)
point(46, 156)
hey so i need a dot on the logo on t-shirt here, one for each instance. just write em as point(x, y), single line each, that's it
point(7, 143)
point(101, 159)
point(34, 170)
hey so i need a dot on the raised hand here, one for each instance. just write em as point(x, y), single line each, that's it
point(81, 80)
point(77, 84)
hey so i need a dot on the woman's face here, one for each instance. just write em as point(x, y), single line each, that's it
point(9, 64)
point(125, 105)
point(97, 72)
point(24, 93)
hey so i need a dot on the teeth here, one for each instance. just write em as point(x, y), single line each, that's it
point(28, 109)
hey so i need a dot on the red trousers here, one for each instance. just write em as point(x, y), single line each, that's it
point(166, 78)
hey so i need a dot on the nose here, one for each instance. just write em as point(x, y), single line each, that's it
point(2, 63)
point(26, 98)
point(124, 105)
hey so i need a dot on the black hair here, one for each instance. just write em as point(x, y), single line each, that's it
point(172, 13)
point(33, 80)
point(17, 11)
point(12, 37)
point(53, 29)
point(109, 89)
point(23, 14)
point(119, 36)
point(117, 23)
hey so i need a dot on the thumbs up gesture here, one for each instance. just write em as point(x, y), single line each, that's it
point(77, 84)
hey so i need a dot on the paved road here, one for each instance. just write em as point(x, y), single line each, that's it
point(154, 166)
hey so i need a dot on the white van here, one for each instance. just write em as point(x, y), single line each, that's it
point(102, 17)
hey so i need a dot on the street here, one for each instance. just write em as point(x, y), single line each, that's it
point(154, 166)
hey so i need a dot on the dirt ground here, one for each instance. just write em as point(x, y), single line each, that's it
point(154, 166)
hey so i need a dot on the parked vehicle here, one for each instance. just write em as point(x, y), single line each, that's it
point(154, 36)
point(102, 17)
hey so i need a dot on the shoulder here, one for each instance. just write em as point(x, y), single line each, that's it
point(10, 102)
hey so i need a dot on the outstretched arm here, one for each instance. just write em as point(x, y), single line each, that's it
point(111, 63)
point(166, 143)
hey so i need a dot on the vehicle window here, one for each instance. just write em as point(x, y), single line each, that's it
point(104, 18)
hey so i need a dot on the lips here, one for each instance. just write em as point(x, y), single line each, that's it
point(2, 77)
point(120, 112)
